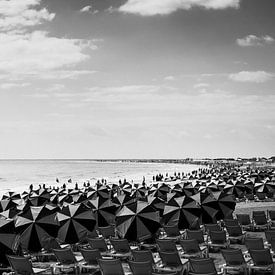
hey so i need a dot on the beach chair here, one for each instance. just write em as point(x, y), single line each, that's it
point(230, 222)
point(90, 257)
point(202, 266)
point(166, 245)
point(254, 244)
point(262, 261)
point(22, 265)
point(212, 227)
point(98, 243)
point(260, 196)
point(249, 197)
point(260, 220)
point(195, 234)
point(218, 240)
point(271, 215)
point(171, 262)
point(110, 267)
point(143, 256)
point(172, 232)
point(141, 268)
point(107, 231)
point(245, 221)
point(234, 261)
point(192, 249)
point(121, 248)
point(66, 260)
point(269, 234)
point(235, 233)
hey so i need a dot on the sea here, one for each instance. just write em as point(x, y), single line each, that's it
point(17, 175)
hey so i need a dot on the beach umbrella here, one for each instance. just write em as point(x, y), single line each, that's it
point(38, 197)
point(159, 190)
point(34, 224)
point(76, 222)
point(11, 196)
point(122, 199)
point(137, 221)
point(8, 240)
point(157, 203)
point(226, 204)
point(104, 211)
point(139, 192)
point(183, 211)
point(7, 204)
point(208, 205)
point(10, 213)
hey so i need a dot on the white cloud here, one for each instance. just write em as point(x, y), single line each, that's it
point(169, 78)
point(253, 40)
point(249, 76)
point(88, 9)
point(201, 85)
point(9, 85)
point(31, 52)
point(16, 14)
point(163, 7)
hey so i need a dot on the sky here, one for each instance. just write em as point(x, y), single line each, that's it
point(137, 78)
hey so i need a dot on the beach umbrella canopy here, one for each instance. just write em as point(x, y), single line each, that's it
point(76, 222)
point(208, 205)
point(137, 221)
point(38, 197)
point(34, 224)
point(11, 196)
point(160, 190)
point(122, 199)
point(183, 211)
point(157, 203)
point(104, 211)
point(7, 204)
point(8, 246)
point(226, 204)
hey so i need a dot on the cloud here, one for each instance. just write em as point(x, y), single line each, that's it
point(7, 86)
point(254, 77)
point(16, 14)
point(201, 85)
point(169, 78)
point(31, 52)
point(253, 40)
point(164, 7)
point(22, 47)
point(88, 9)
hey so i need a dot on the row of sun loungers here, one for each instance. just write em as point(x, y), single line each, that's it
point(175, 252)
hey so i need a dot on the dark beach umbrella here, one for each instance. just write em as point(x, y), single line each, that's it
point(8, 246)
point(6, 226)
point(7, 204)
point(121, 200)
point(157, 203)
point(226, 204)
point(160, 190)
point(137, 221)
point(11, 196)
point(139, 192)
point(35, 224)
point(38, 197)
point(183, 211)
point(10, 213)
point(103, 210)
point(76, 222)
point(208, 205)
point(249, 186)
